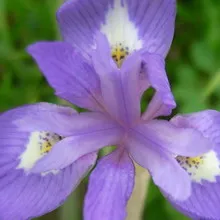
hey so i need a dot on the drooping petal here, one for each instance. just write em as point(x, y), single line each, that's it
point(203, 203)
point(165, 170)
point(53, 131)
point(41, 117)
point(155, 21)
point(72, 77)
point(163, 101)
point(203, 170)
point(27, 196)
point(110, 186)
point(120, 28)
point(80, 20)
point(178, 141)
point(126, 23)
point(120, 87)
point(24, 195)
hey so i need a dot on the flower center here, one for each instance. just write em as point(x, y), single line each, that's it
point(119, 53)
point(204, 167)
point(40, 144)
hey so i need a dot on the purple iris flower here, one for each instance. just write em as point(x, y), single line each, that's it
point(113, 52)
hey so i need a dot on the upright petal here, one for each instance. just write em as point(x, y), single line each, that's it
point(24, 195)
point(203, 170)
point(119, 87)
point(128, 24)
point(165, 170)
point(163, 101)
point(130, 80)
point(110, 187)
point(72, 77)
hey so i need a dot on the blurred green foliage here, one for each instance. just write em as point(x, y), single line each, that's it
point(193, 67)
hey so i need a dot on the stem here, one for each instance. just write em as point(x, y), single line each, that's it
point(72, 209)
point(4, 28)
point(212, 85)
point(136, 203)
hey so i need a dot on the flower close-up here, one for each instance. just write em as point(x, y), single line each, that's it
point(112, 52)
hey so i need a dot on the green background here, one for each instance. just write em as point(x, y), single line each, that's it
point(193, 67)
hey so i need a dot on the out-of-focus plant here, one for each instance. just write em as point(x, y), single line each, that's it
point(193, 66)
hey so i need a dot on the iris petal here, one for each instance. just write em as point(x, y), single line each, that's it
point(72, 77)
point(52, 131)
point(204, 171)
point(24, 195)
point(76, 146)
point(27, 196)
point(178, 141)
point(163, 101)
point(120, 87)
point(164, 169)
point(155, 22)
point(133, 23)
point(110, 187)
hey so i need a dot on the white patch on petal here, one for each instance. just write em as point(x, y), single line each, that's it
point(39, 145)
point(48, 172)
point(205, 167)
point(119, 29)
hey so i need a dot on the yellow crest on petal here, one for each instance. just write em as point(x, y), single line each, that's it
point(119, 53)
point(204, 167)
